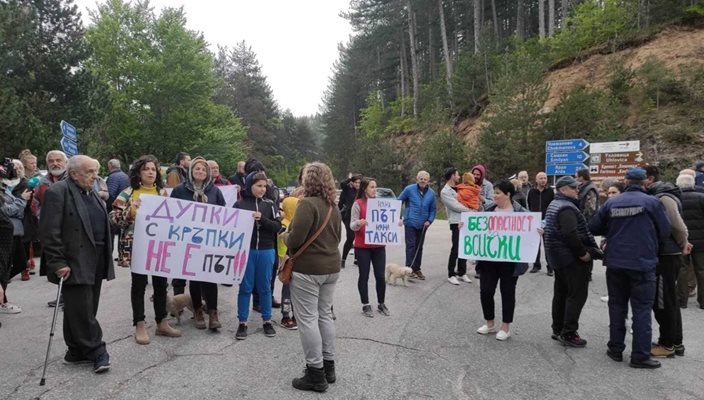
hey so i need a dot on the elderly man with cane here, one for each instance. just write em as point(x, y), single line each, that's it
point(76, 237)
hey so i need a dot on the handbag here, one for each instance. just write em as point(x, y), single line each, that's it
point(285, 271)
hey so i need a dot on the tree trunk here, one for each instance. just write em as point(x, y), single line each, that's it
point(564, 10)
point(446, 50)
point(431, 52)
point(403, 73)
point(520, 23)
point(495, 18)
point(477, 25)
point(414, 56)
point(551, 17)
point(541, 18)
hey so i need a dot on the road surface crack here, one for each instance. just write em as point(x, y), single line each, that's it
point(380, 342)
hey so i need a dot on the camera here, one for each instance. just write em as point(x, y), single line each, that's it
point(7, 169)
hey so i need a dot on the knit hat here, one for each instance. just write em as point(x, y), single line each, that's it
point(566, 181)
point(636, 174)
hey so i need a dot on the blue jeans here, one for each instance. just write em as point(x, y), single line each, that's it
point(638, 287)
point(414, 243)
point(258, 273)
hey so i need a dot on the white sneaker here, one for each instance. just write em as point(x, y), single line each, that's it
point(453, 280)
point(486, 329)
point(464, 278)
point(605, 299)
point(9, 308)
point(503, 335)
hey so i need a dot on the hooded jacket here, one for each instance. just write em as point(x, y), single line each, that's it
point(267, 228)
point(693, 216)
point(670, 195)
point(634, 224)
point(487, 187)
point(187, 191)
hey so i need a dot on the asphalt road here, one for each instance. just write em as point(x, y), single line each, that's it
point(427, 348)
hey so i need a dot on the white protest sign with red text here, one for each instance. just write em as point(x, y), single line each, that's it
point(187, 240)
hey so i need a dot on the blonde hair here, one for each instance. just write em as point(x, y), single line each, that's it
point(319, 182)
point(468, 178)
point(517, 184)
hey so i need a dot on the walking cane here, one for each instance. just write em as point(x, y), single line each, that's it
point(51, 333)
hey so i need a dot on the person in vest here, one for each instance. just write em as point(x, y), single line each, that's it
point(634, 225)
point(693, 216)
point(419, 212)
point(568, 247)
point(666, 307)
point(367, 254)
point(539, 198)
point(448, 196)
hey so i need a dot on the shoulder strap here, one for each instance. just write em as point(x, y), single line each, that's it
point(315, 235)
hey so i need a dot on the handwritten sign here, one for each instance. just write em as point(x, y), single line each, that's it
point(383, 216)
point(229, 192)
point(500, 236)
point(183, 239)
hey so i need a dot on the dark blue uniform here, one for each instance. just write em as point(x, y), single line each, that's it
point(634, 224)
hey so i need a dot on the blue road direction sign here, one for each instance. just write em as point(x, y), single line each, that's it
point(69, 147)
point(562, 158)
point(562, 146)
point(563, 169)
point(69, 131)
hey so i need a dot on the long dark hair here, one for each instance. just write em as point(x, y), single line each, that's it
point(363, 185)
point(135, 180)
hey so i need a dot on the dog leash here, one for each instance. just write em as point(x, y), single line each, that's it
point(422, 236)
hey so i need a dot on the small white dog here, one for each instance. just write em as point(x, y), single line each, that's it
point(176, 304)
point(395, 272)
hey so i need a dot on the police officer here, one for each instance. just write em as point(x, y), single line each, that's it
point(634, 224)
point(568, 247)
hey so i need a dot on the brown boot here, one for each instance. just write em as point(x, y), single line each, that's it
point(198, 319)
point(140, 334)
point(213, 322)
point(164, 329)
point(25, 275)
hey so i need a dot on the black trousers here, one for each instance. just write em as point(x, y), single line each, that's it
point(570, 293)
point(19, 257)
point(453, 260)
point(200, 290)
point(666, 307)
point(498, 273)
point(368, 258)
point(82, 332)
point(179, 286)
point(538, 264)
point(349, 239)
point(139, 285)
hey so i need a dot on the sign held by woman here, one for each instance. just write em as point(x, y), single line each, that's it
point(500, 236)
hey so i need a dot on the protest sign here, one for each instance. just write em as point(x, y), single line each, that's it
point(500, 236)
point(183, 239)
point(383, 216)
point(229, 192)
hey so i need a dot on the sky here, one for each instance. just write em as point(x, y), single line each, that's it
point(295, 40)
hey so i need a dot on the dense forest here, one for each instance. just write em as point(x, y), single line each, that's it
point(419, 84)
point(136, 82)
point(416, 70)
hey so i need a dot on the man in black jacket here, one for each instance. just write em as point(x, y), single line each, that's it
point(569, 247)
point(693, 216)
point(539, 199)
point(75, 233)
point(349, 188)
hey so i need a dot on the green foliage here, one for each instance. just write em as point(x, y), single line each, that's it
point(379, 159)
point(400, 122)
point(660, 83)
point(620, 83)
point(693, 82)
point(585, 113)
point(374, 117)
point(696, 9)
point(442, 150)
point(592, 23)
point(42, 56)
point(160, 83)
point(513, 133)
